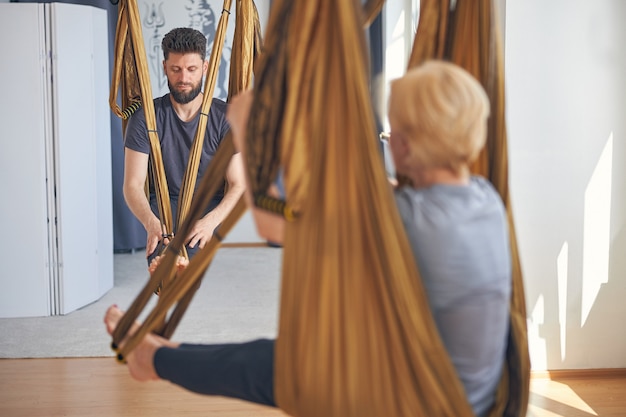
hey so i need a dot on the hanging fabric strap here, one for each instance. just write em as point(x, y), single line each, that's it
point(371, 9)
point(191, 173)
point(246, 46)
point(356, 337)
point(130, 72)
point(182, 285)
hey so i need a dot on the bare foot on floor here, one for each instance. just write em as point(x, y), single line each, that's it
point(140, 360)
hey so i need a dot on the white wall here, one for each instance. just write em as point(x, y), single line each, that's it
point(566, 115)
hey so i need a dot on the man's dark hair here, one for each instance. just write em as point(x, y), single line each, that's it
point(184, 40)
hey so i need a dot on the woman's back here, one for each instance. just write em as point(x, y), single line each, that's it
point(459, 238)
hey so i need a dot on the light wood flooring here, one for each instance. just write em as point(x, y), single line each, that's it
point(99, 387)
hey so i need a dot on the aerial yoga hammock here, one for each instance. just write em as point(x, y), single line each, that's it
point(470, 37)
point(356, 336)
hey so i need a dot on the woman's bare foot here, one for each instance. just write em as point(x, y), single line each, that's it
point(140, 360)
point(181, 263)
point(113, 316)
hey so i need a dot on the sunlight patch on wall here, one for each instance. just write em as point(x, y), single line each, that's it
point(596, 230)
point(538, 346)
point(561, 271)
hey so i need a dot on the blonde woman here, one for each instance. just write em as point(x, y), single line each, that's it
point(456, 222)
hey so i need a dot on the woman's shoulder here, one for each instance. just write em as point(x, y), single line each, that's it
point(484, 188)
point(480, 182)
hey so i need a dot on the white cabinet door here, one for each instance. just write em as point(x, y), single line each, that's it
point(55, 182)
point(76, 114)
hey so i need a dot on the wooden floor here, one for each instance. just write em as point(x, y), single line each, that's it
point(578, 394)
point(99, 387)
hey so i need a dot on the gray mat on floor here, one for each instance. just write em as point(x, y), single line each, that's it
point(237, 301)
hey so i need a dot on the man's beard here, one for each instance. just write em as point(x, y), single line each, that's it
point(182, 97)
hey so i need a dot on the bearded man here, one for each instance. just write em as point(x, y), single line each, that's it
point(177, 117)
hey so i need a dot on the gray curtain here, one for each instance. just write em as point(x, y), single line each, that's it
point(375, 43)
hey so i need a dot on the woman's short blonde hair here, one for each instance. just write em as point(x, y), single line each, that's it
point(442, 111)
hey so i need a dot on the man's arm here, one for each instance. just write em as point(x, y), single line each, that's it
point(203, 229)
point(269, 226)
point(135, 173)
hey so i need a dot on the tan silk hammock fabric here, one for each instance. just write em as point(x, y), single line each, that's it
point(356, 336)
point(130, 72)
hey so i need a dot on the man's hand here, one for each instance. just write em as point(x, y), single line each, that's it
point(202, 231)
point(155, 234)
point(135, 171)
